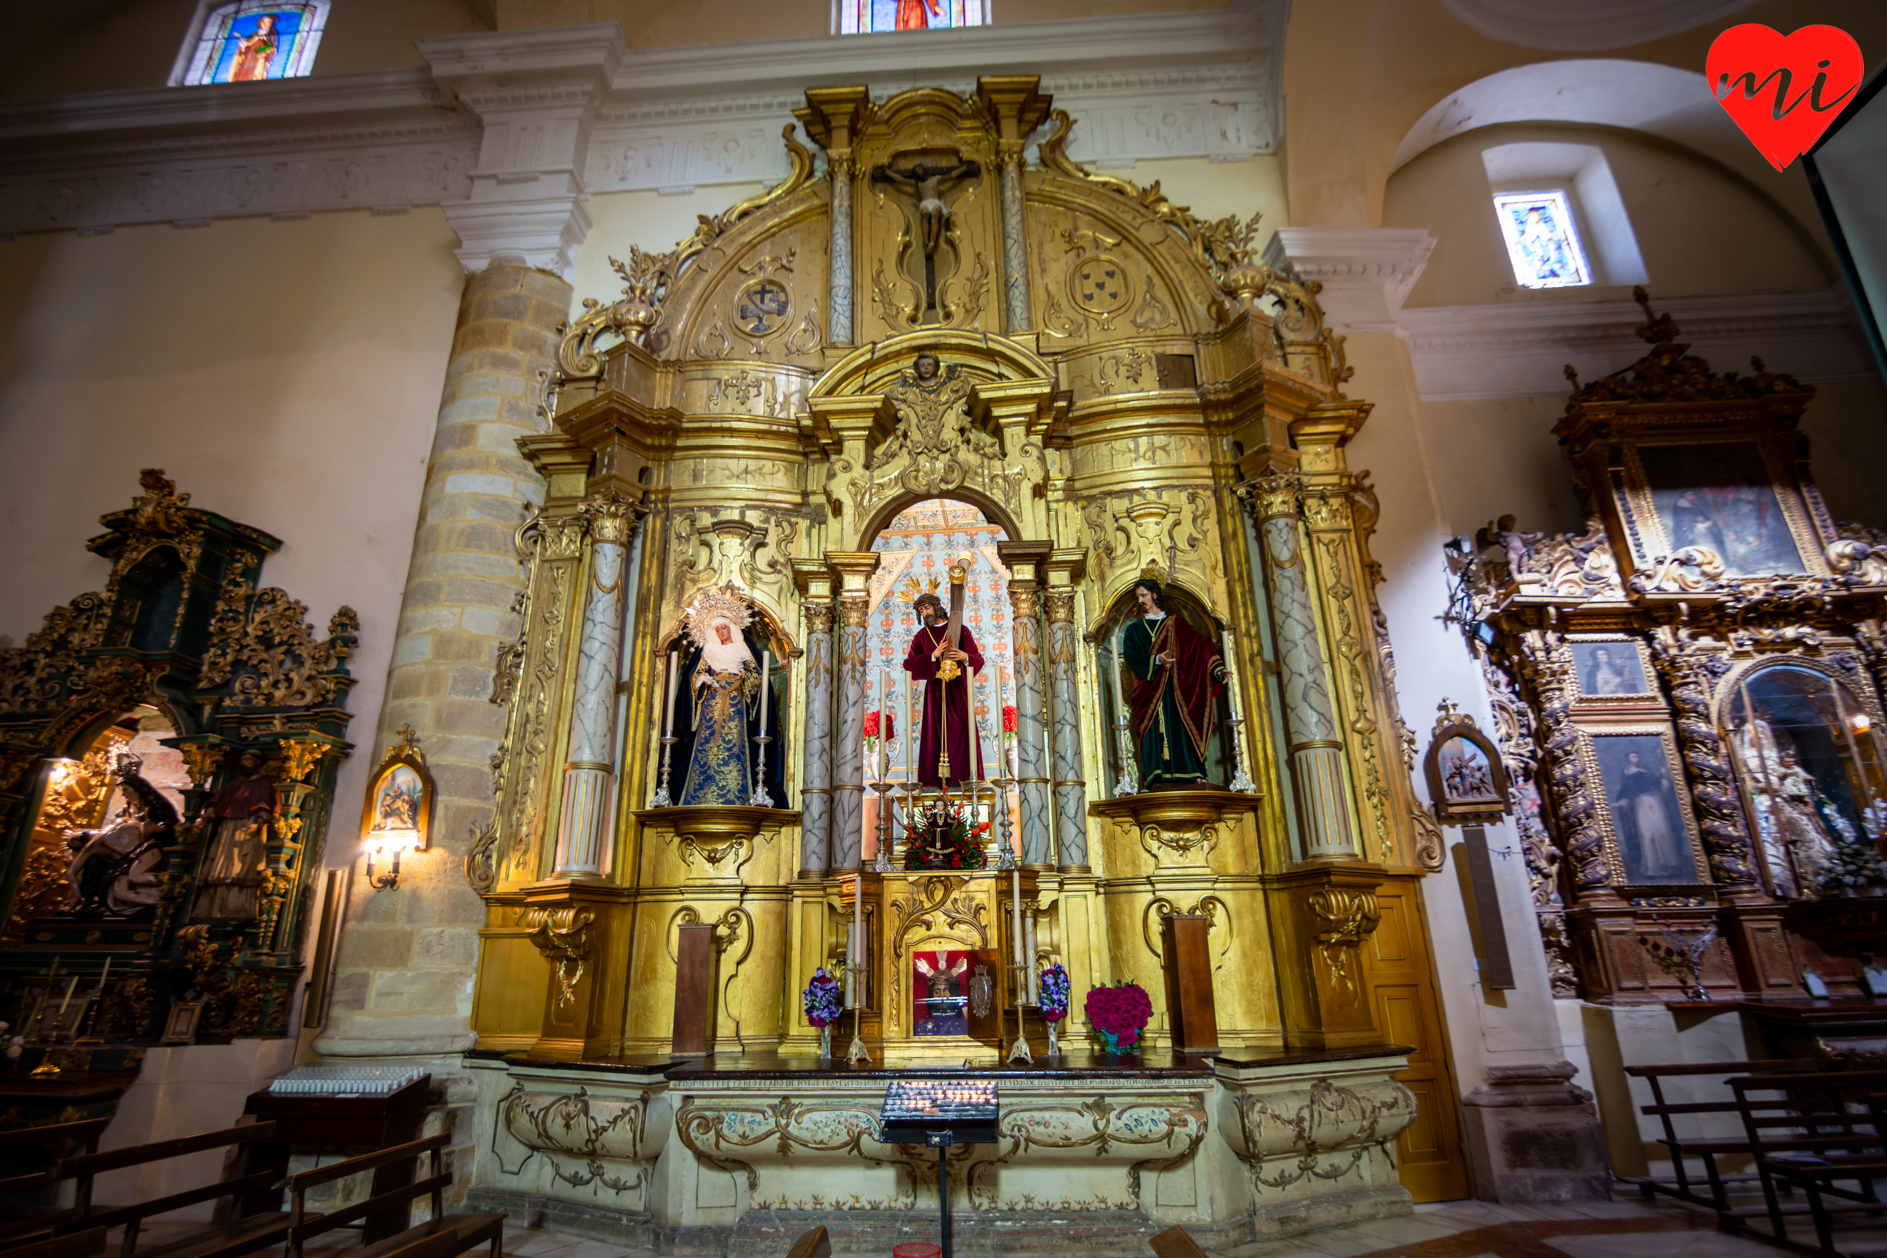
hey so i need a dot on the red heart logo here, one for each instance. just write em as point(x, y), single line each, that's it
point(1783, 90)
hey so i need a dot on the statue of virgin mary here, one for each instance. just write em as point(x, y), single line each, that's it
point(717, 705)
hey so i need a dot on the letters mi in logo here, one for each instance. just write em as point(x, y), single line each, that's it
point(1783, 91)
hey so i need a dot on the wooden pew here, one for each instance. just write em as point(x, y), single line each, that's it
point(55, 1141)
point(246, 1232)
point(462, 1231)
point(1706, 1150)
point(1818, 1133)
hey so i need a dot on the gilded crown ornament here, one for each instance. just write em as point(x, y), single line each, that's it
point(711, 605)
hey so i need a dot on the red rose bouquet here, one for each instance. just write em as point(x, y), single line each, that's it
point(1118, 1014)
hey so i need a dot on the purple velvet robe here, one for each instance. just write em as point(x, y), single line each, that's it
point(951, 701)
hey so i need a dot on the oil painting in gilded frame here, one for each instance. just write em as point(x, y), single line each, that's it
point(1643, 803)
point(1726, 495)
point(398, 808)
point(1612, 668)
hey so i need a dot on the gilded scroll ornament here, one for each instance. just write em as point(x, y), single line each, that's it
point(562, 934)
point(1348, 917)
point(263, 649)
point(649, 278)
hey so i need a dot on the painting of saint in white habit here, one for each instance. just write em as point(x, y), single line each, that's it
point(1608, 668)
point(1636, 774)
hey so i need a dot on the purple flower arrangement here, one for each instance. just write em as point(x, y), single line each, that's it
point(824, 999)
point(1118, 1014)
point(1054, 993)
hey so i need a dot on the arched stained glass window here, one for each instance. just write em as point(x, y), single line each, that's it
point(864, 17)
point(246, 41)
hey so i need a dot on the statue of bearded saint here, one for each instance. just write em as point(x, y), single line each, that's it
point(946, 1001)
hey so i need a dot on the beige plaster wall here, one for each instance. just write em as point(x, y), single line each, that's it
point(1701, 229)
point(285, 375)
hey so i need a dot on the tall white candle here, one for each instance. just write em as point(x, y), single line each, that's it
point(884, 724)
point(668, 711)
point(70, 988)
point(1232, 668)
point(1113, 671)
point(766, 673)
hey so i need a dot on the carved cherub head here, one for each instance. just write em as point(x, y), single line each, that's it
point(926, 366)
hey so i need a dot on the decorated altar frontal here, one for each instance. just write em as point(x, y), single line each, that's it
point(739, 1155)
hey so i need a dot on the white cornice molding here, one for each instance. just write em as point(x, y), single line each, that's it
point(1366, 272)
point(527, 118)
point(1521, 349)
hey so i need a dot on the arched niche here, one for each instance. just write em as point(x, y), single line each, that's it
point(1104, 636)
point(676, 650)
point(1805, 741)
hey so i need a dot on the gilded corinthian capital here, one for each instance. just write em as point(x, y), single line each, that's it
point(611, 518)
point(854, 610)
point(818, 618)
point(1060, 605)
point(1274, 496)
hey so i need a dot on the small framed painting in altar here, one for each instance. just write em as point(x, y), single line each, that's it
point(1729, 497)
point(1611, 668)
point(1637, 780)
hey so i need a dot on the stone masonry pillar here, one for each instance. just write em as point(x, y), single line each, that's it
point(400, 984)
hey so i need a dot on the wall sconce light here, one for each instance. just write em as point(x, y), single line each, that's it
point(1860, 722)
point(397, 814)
point(378, 845)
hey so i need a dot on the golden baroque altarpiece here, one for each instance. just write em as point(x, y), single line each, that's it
point(1125, 391)
point(1688, 694)
point(130, 726)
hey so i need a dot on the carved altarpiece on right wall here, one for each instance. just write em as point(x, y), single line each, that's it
point(1688, 693)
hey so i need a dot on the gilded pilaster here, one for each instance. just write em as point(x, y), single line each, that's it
point(833, 116)
point(589, 770)
point(1065, 570)
point(1317, 754)
point(815, 794)
point(1017, 108)
point(853, 570)
point(1026, 560)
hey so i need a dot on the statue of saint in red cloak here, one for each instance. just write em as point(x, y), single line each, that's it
point(1178, 676)
point(945, 723)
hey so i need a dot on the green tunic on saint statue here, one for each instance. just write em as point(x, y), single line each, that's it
point(1172, 702)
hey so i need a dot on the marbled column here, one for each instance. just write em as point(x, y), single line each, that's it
point(1317, 760)
point(1031, 759)
point(1015, 275)
point(848, 753)
point(839, 173)
point(1064, 733)
point(815, 795)
point(590, 770)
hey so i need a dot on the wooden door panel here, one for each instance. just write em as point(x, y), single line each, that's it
point(1401, 975)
